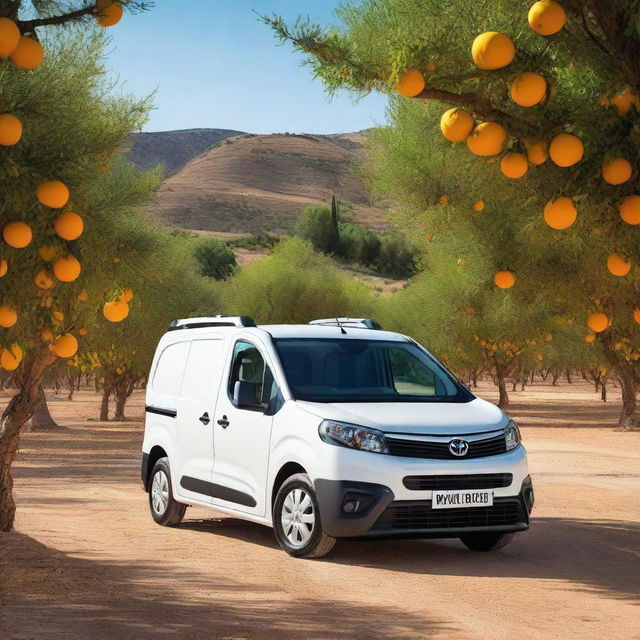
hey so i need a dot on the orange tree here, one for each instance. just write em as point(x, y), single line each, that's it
point(548, 89)
point(153, 277)
point(58, 121)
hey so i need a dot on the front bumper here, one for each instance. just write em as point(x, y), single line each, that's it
point(360, 509)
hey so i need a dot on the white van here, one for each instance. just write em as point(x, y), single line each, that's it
point(335, 429)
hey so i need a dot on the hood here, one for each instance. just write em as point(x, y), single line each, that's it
point(419, 418)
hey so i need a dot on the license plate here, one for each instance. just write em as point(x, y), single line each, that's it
point(461, 498)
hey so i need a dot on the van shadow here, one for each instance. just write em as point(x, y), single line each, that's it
point(594, 555)
point(47, 594)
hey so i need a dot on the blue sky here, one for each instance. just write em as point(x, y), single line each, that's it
point(215, 65)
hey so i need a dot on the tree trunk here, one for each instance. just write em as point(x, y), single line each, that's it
point(15, 416)
point(603, 392)
point(104, 404)
point(568, 374)
point(554, 377)
point(628, 386)
point(121, 401)
point(41, 420)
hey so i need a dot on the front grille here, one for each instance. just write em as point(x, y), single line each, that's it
point(470, 481)
point(440, 450)
point(410, 515)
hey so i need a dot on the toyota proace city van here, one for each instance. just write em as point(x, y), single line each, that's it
point(330, 430)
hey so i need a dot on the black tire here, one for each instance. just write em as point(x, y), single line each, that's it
point(318, 543)
point(164, 509)
point(486, 541)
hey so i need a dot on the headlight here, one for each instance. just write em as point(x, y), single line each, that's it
point(512, 435)
point(351, 435)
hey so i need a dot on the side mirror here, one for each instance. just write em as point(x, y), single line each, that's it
point(245, 396)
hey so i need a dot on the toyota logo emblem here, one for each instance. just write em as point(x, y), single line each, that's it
point(459, 448)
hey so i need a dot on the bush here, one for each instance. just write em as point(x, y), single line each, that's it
point(316, 226)
point(216, 259)
point(358, 244)
point(295, 284)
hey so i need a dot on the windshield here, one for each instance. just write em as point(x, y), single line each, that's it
point(354, 370)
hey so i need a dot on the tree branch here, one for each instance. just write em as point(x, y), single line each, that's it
point(73, 16)
point(476, 104)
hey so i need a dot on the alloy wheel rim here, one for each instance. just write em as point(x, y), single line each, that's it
point(160, 492)
point(298, 517)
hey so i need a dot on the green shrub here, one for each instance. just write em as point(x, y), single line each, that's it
point(215, 258)
point(316, 226)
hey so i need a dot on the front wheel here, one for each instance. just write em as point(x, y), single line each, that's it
point(486, 541)
point(164, 509)
point(296, 519)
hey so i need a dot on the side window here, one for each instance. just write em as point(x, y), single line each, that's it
point(248, 365)
point(411, 377)
point(203, 366)
point(167, 378)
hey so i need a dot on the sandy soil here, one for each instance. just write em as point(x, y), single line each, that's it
point(86, 560)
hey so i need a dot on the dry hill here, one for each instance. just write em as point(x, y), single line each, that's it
point(261, 183)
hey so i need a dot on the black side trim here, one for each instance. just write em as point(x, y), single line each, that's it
point(217, 491)
point(170, 413)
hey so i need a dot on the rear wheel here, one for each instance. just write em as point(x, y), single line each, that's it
point(164, 509)
point(486, 541)
point(296, 519)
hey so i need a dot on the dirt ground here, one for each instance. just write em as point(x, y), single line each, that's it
point(87, 561)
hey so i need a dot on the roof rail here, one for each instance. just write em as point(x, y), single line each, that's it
point(211, 321)
point(356, 323)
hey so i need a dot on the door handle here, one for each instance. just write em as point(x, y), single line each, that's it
point(223, 422)
point(204, 418)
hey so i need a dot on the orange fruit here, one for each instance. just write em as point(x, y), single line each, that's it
point(504, 279)
point(636, 315)
point(66, 269)
point(624, 100)
point(11, 358)
point(411, 83)
point(617, 265)
point(492, 50)
point(456, 124)
point(548, 337)
point(443, 200)
point(83, 332)
point(536, 151)
point(598, 322)
point(83, 296)
point(54, 194)
point(4, 267)
point(589, 338)
point(546, 17)
point(629, 209)
point(17, 234)
point(43, 280)
point(58, 316)
point(566, 149)
point(127, 295)
point(528, 89)
point(8, 316)
point(68, 225)
point(478, 205)
point(28, 54)
point(116, 311)
point(46, 334)
point(66, 346)
point(9, 37)
point(560, 213)
point(47, 252)
point(10, 129)
point(108, 13)
point(514, 165)
point(616, 171)
point(487, 139)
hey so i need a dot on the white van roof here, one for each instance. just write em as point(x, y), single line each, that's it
point(322, 331)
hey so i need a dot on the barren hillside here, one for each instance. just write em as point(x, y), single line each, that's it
point(261, 183)
point(173, 149)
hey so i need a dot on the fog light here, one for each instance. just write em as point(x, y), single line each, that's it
point(351, 506)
